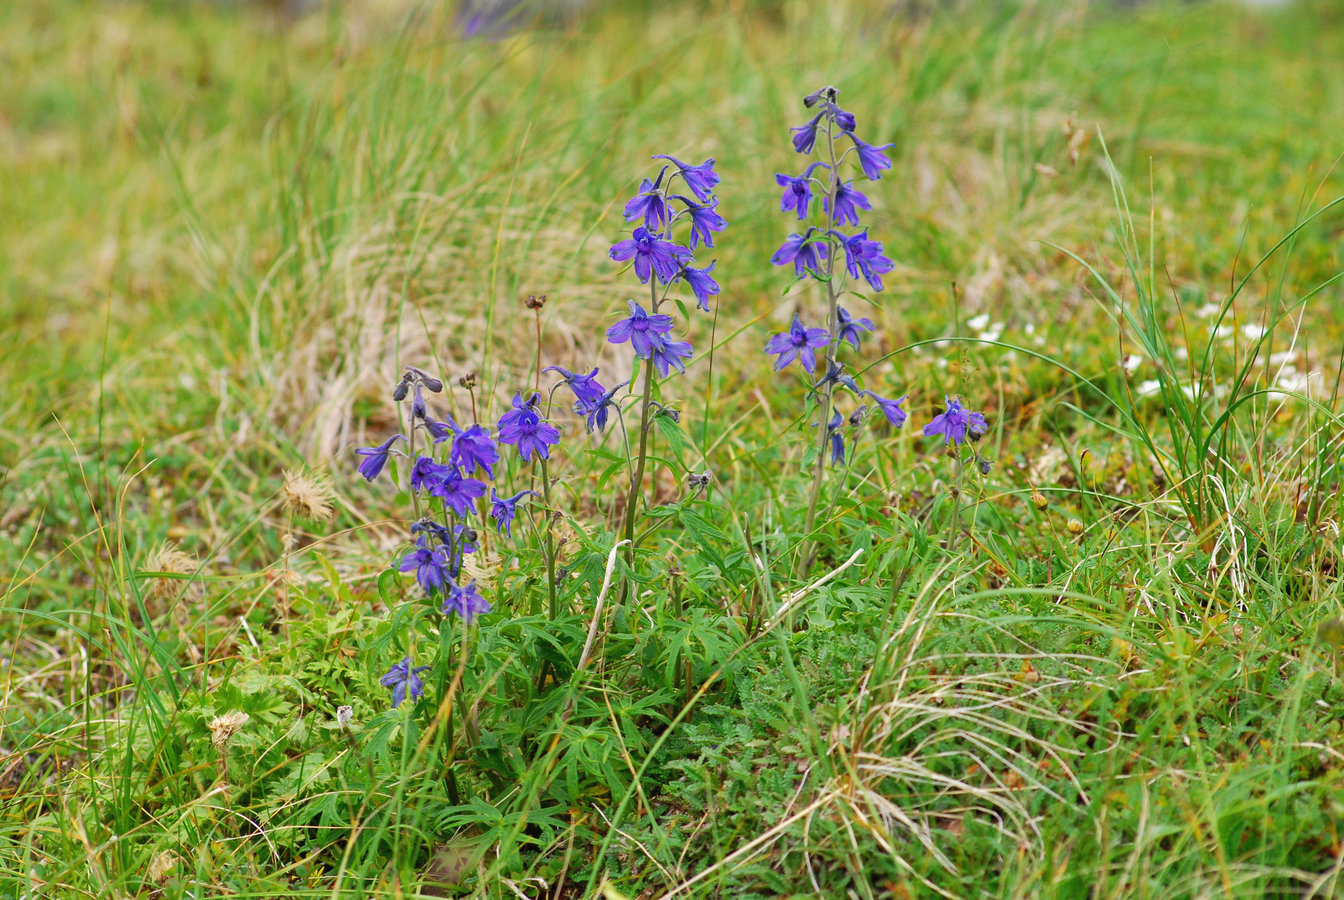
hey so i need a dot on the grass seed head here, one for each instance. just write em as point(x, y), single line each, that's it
point(308, 496)
point(223, 728)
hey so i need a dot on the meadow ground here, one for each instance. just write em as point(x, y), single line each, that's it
point(1109, 667)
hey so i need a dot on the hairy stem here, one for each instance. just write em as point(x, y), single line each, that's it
point(637, 481)
point(828, 389)
point(551, 593)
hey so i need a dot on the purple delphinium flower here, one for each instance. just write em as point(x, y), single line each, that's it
point(650, 204)
point(956, 422)
point(797, 190)
point(702, 283)
point(426, 473)
point(705, 220)
point(872, 160)
point(418, 408)
point(402, 677)
point(803, 253)
point(805, 136)
point(586, 388)
point(503, 509)
point(472, 448)
point(836, 438)
point(670, 355)
point(431, 566)
point(850, 327)
point(459, 492)
point(844, 119)
point(525, 427)
point(797, 343)
point(597, 411)
point(641, 329)
point(890, 408)
point(846, 201)
point(467, 602)
point(440, 431)
point(864, 257)
point(651, 254)
point(700, 179)
point(375, 458)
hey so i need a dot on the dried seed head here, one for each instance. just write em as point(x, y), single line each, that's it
point(308, 495)
point(223, 728)
point(1039, 500)
point(1074, 526)
point(483, 568)
point(343, 716)
point(169, 559)
point(535, 301)
point(468, 380)
point(160, 866)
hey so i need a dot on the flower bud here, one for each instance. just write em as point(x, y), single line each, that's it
point(1074, 526)
point(535, 301)
point(468, 380)
point(399, 392)
point(1039, 500)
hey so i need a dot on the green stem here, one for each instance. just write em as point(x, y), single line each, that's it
point(637, 482)
point(550, 543)
point(953, 531)
point(819, 469)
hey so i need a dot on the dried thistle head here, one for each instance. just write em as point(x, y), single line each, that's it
point(307, 495)
point(223, 728)
point(169, 559)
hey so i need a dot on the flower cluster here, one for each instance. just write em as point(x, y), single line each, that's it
point(450, 470)
point(815, 251)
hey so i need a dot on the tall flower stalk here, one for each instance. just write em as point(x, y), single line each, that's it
point(813, 253)
point(662, 263)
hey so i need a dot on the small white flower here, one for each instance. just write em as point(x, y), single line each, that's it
point(1131, 362)
point(1149, 388)
point(1252, 331)
point(978, 323)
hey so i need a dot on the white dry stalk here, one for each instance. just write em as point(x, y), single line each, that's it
point(601, 600)
point(792, 600)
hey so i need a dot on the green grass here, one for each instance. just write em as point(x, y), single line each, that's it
point(226, 232)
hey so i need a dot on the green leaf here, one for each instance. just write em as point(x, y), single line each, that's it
point(676, 438)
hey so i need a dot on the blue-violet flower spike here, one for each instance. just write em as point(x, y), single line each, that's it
point(705, 220)
point(671, 355)
point(955, 422)
point(467, 602)
point(651, 253)
point(871, 159)
point(700, 179)
point(890, 408)
point(524, 427)
point(850, 327)
point(474, 448)
point(802, 252)
point(503, 509)
point(797, 190)
point(375, 458)
point(402, 677)
point(650, 205)
point(848, 202)
point(430, 566)
point(702, 283)
point(805, 136)
point(797, 343)
point(641, 329)
point(586, 388)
